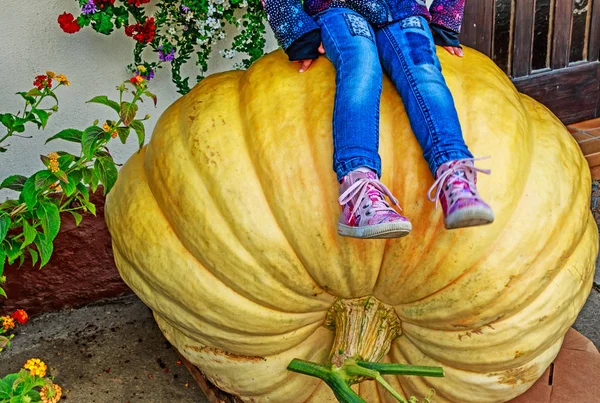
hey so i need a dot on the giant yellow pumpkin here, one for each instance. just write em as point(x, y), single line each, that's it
point(225, 225)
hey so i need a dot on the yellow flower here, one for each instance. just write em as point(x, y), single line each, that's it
point(7, 323)
point(141, 69)
point(139, 79)
point(51, 74)
point(56, 187)
point(61, 78)
point(55, 396)
point(36, 367)
point(53, 166)
point(53, 156)
point(106, 127)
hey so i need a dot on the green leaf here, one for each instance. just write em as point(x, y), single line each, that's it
point(71, 185)
point(151, 95)
point(42, 115)
point(13, 252)
point(45, 249)
point(29, 193)
point(29, 232)
point(103, 99)
point(65, 161)
point(43, 179)
point(94, 181)
point(91, 137)
point(4, 225)
point(83, 190)
point(140, 130)
point(2, 261)
point(14, 182)
point(62, 176)
point(50, 219)
point(78, 217)
point(104, 24)
point(26, 97)
point(35, 92)
point(107, 171)
point(72, 135)
point(10, 379)
point(123, 133)
point(34, 256)
point(128, 112)
point(7, 120)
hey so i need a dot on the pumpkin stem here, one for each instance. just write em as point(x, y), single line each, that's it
point(339, 379)
point(364, 329)
point(336, 379)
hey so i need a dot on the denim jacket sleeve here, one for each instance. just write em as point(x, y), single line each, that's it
point(447, 13)
point(288, 20)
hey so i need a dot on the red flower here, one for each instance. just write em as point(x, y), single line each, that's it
point(68, 23)
point(20, 316)
point(142, 33)
point(101, 4)
point(42, 82)
point(137, 3)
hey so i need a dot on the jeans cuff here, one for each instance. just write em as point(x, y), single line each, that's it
point(343, 168)
point(447, 155)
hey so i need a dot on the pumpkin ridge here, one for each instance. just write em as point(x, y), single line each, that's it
point(205, 319)
point(245, 131)
point(184, 147)
point(202, 262)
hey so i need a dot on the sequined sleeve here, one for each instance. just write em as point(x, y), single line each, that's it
point(288, 20)
point(448, 13)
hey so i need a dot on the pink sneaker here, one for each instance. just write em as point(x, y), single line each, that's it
point(456, 190)
point(365, 213)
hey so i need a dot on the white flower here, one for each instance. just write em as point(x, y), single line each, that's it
point(172, 31)
point(228, 53)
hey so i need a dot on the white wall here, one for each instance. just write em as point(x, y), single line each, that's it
point(31, 42)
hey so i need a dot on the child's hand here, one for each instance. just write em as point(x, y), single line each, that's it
point(305, 64)
point(454, 50)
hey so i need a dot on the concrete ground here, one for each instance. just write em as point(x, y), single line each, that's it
point(114, 353)
point(107, 353)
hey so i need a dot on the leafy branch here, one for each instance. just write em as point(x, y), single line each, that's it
point(30, 223)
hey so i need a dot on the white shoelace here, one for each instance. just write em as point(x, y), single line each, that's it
point(361, 188)
point(465, 168)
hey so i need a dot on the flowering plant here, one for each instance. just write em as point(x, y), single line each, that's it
point(7, 325)
point(23, 386)
point(29, 223)
point(177, 30)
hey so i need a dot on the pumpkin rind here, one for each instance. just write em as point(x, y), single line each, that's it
point(225, 225)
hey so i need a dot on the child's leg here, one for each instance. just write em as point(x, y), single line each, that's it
point(349, 43)
point(408, 56)
point(407, 53)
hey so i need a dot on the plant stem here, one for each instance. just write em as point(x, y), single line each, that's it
point(400, 369)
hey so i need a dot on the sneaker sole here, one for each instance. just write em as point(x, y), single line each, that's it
point(469, 217)
point(379, 231)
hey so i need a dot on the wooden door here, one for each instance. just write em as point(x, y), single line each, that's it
point(550, 49)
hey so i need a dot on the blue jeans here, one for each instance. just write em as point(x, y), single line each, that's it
point(406, 51)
